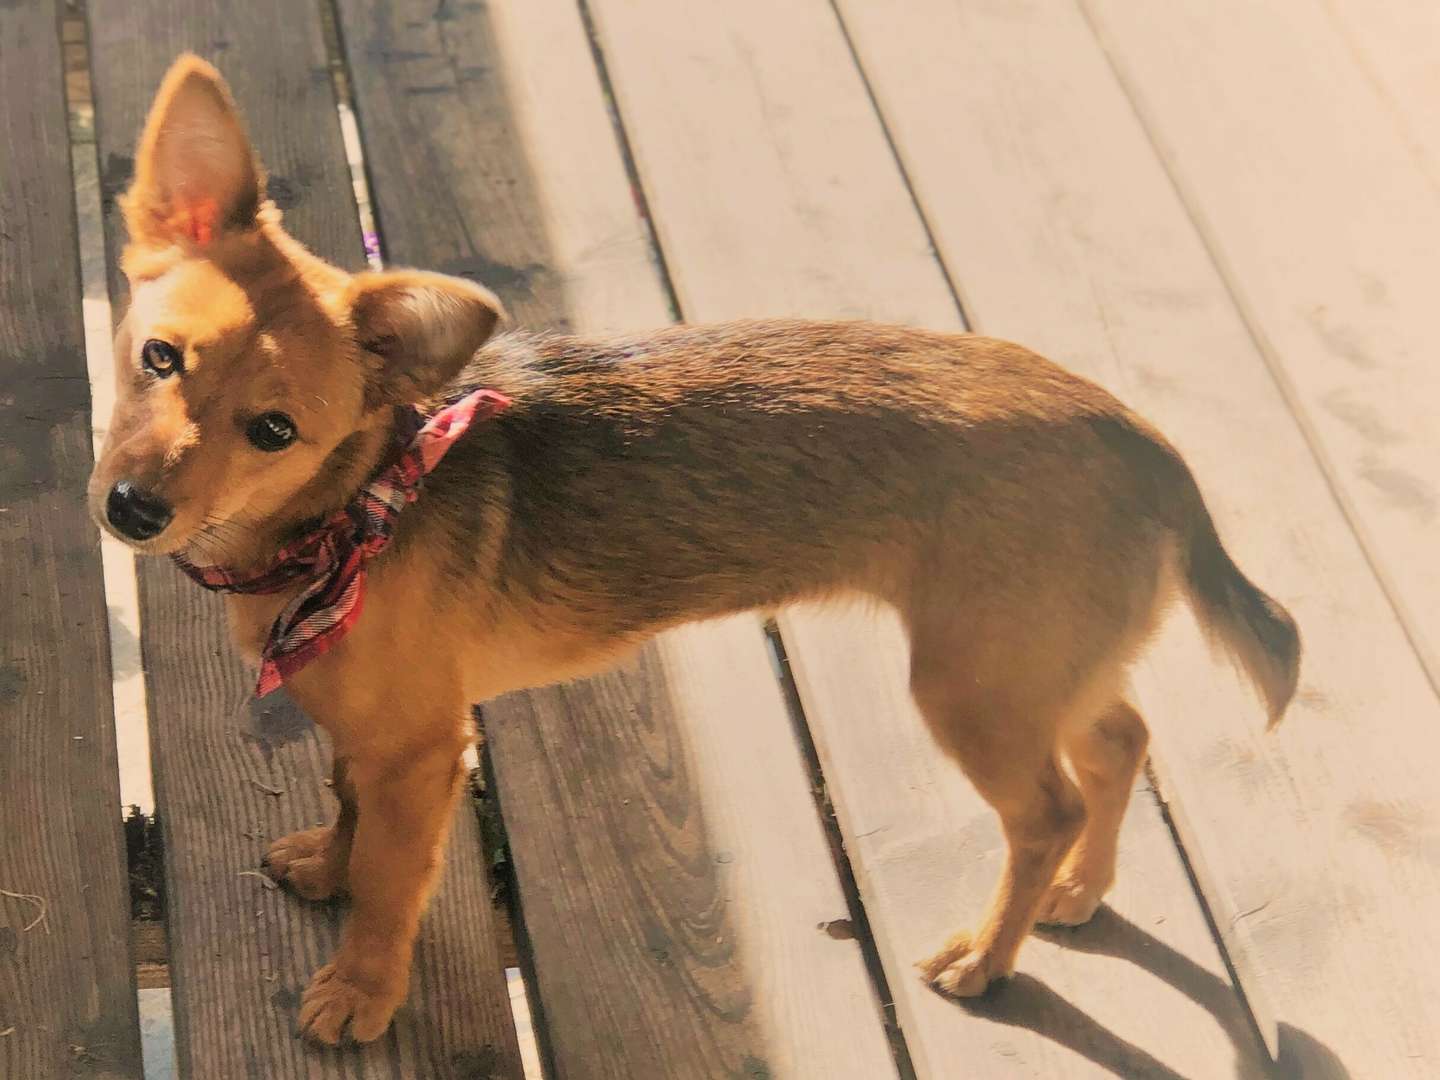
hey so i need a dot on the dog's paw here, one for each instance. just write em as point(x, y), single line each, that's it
point(1070, 902)
point(960, 971)
point(331, 1000)
point(299, 862)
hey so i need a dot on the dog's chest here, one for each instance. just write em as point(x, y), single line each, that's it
point(251, 618)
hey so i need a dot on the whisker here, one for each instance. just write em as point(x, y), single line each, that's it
point(217, 533)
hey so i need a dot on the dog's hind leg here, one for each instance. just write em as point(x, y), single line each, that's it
point(1005, 743)
point(1106, 754)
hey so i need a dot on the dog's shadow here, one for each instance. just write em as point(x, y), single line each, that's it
point(1026, 1002)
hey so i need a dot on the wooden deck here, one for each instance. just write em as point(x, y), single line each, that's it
point(725, 857)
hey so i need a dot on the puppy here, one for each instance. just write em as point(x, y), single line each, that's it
point(409, 516)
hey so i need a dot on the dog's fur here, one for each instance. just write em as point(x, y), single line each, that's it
point(1026, 526)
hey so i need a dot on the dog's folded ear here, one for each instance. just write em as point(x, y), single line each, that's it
point(196, 176)
point(417, 330)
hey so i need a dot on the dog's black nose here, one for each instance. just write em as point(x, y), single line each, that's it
point(137, 513)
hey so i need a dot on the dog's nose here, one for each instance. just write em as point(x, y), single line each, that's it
point(137, 513)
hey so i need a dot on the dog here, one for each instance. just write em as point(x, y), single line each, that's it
point(410, 515)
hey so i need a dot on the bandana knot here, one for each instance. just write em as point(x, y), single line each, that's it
point(330, 558)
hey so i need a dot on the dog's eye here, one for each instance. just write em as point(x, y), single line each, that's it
point(271, 431)
point(160, 358)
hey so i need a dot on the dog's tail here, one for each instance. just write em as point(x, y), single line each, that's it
point(1257, 630)
point(1254, 628)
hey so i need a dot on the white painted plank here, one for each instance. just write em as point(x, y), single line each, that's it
point(774, 192)
point(1062, 229)
point(811, 997)
point(122, 602)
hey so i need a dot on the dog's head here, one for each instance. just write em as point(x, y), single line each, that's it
point(250, 374)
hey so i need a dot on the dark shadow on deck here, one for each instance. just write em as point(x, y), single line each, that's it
point(1026, 1002)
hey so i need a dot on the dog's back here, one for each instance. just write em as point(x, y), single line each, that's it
point(707, 469)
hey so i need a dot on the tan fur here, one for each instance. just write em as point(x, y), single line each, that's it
point(1025, 525)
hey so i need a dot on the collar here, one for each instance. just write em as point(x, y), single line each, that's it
point(330, 558)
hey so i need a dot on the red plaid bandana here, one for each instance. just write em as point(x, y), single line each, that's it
point(331, 557)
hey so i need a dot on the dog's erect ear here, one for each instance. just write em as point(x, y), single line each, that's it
point(418, 330)
point(196, 176)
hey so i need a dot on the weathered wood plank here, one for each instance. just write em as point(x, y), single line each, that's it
point(1062, 229)
point(67, 991)
point(774, 191)
point(672, 870)
point(240, 953)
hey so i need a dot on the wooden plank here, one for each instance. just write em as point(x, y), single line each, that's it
point(694, 876)
point(240, 953)
point(67, 991)
point(775, 191)
point(672, 870)
point(1062, 229)
point(1329, 233)
point(1396, 45)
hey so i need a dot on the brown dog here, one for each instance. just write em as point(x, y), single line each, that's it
point(1026, 526)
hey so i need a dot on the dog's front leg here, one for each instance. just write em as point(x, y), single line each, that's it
point(404, 804)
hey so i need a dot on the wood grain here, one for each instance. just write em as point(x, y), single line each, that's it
point(1062, 229)
point(775, 192)
point(672, 871)
point(241, 953)
point(67, 991)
